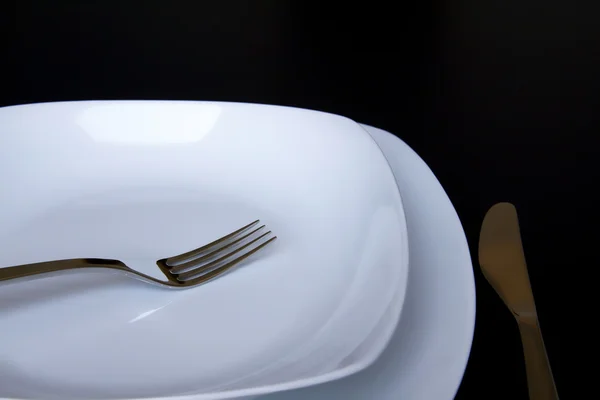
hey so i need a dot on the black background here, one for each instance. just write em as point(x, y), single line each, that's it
point(500, 98)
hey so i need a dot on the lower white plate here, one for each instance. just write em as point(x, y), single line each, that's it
point(428, 353)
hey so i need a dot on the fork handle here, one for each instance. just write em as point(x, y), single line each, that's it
point(539, 375)
point(42, 268)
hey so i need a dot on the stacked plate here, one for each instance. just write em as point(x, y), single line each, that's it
point(139, 181)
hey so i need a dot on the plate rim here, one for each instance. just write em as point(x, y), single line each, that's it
point(446, 386)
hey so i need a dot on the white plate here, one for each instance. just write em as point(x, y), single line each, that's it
point(427, 356)
point(139, 181)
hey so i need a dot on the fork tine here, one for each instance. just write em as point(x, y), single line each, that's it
point(207, 268)
point(179, 268)
point(181, 258)
point(215, 273)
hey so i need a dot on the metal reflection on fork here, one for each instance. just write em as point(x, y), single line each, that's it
point(182, 271)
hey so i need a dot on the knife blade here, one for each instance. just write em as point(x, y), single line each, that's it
point(502, 261)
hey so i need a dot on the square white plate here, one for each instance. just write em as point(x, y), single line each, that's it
point(142, 180)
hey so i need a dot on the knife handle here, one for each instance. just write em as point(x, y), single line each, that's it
point(539, 375)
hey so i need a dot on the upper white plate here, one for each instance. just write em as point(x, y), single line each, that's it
point(139, 181)
point(427, 356)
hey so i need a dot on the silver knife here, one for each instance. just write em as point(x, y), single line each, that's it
point(503, 264)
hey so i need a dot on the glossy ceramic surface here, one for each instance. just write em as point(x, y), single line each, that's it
point(138, 181)
point(427, 356)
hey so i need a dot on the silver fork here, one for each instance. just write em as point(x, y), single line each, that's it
point(182, 271)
